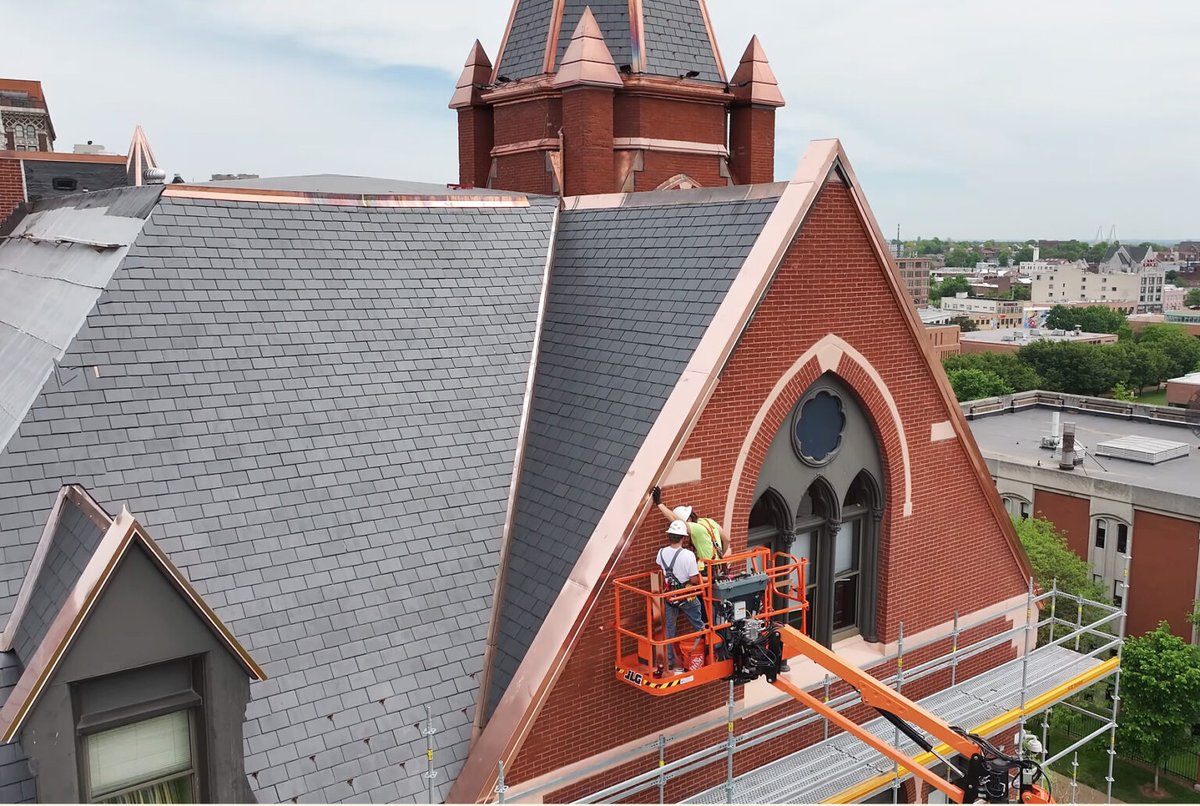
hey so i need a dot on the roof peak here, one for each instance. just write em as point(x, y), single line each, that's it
point(476, 74)
point(754, 81)
point(587, 60)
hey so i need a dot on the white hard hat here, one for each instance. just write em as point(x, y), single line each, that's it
point(683, 513)
point(677, 528)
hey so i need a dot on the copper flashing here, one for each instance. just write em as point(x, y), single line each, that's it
point(247, 195)
point(637, 36)
point(39, 669)
point(95, 513)
point(140, 159)
point(674, 89)
point(551, 53)
point(754, 82)
point(59, 156)
point(525, 146)
point(587, 61)
point(512, 15)
point(474, 79)
point(712, 40)
point(515, 484)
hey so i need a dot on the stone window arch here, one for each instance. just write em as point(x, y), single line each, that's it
point(819, 496)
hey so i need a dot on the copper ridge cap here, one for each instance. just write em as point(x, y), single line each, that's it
point(754, 82)
point(538, 672)
point(266, 196)
point(587, 60)
point(474, 79)
point(672, 198)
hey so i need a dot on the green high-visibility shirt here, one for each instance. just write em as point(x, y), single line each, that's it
point(703, 532)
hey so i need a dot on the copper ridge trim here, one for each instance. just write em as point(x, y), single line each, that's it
point(957, 419)
point(62, 156)
point(637, 37)
point(90, 585)
point(94, 512)
point(525, 146)
point(512, 15)
point(539, 671)
point(485, 677)
point(712, 40)
point(556, 15)
point(338, 199)
point(673, 146)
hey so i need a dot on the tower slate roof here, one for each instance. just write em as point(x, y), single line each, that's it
point(666, 38)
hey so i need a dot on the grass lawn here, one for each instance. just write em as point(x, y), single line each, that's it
point(1128, 778)
point(1157, 397)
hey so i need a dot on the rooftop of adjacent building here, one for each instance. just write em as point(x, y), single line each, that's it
point(1020, 334)
point(1011, 428)
point(1191, 379)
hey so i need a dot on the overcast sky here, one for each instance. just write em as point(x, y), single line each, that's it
point(989, 118)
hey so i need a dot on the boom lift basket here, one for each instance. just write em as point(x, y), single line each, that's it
point(768, 585)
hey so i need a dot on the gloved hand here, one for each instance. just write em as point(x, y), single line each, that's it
point(656, 495)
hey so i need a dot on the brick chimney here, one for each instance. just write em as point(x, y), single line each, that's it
point(588, 80)
point(475, 128)
point(756, 96)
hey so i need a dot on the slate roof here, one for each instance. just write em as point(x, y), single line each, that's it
point(17, 784)
point(53, 266)
point(676, 37)
point(315, 409)
point(370, 185)
point(71, 546)
point(632, 293)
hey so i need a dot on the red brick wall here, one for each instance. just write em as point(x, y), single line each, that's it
point(1069, 514)
point(659, 166)
point(1162, 573)
point(531, 119)
point(588, 141)
point(949, 555)
point(752, 144)
point(525, 172)
point(475, 133)
point(12, 190)
point(666, 119)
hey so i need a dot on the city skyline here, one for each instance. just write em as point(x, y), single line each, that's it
point(1005, 121)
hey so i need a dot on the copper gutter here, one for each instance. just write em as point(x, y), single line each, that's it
point(40, 668)
point(338, 199)
point(514, 718)
point(485, 676)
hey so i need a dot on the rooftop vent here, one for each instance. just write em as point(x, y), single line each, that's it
point(1143, 449)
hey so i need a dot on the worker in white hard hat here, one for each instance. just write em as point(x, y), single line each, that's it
point(707, 540)
point(680, 571)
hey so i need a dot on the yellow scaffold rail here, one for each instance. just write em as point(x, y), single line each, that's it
point(856, 793)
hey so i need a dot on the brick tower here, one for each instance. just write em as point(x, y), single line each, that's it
point(603, 96)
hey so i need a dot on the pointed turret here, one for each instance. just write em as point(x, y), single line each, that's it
point(756, 96)
point(588, 80)
point(587, 60)
point(476, 75)
point(140, 166)
point(475, 122)
point(754, 82)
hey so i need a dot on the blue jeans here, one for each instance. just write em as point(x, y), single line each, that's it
point(691, 609)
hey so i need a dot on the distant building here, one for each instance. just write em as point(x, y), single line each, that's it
point(985, 313)
point(1009, 340)
point(1172, 297)
point(915, 271)
point(1136, 492)
point(1137, 291)
point(1183, 391)
point(30, 168)
point(1120, 258)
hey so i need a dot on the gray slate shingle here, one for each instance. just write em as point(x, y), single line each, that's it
point(633, 291)
point(313, 409)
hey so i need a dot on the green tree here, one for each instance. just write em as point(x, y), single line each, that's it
point(1014, 372)
point(1021, 292)
point(965, 324)
point(1192, 298)
point(973, 384)
point(1077, 368)
point(1122, 392)
point(1095, 252)
point(1160, 696)
point(1090, 319)
point(1171, 275)
point(1023, 254)
point(1052, 559)
point(1003, 257)
point(948, 287)
point(1180, 347)
point(1147, 365)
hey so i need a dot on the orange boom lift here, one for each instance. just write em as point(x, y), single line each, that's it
point(747, 599)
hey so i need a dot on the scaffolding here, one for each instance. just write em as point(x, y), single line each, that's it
point(1080, 646)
